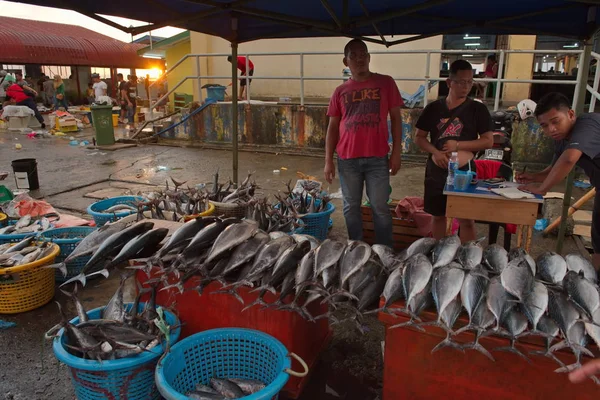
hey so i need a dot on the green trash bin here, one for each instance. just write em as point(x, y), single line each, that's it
point(103, 125)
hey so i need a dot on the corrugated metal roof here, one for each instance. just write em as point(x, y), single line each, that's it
point(37, 42)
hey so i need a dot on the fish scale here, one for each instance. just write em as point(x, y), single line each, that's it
point(495, 257)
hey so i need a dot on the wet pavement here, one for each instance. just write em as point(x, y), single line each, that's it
point(350, 367)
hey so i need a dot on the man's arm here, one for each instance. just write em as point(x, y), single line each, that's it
point(125, 96)
point(558, 172)
point(439, 158)
point(331, 141)
point(396, 157)
point(28, 89)
point(485, 141)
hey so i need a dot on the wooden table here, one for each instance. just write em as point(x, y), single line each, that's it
point(480, 204)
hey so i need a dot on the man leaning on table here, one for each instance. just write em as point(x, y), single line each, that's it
point(576, 142)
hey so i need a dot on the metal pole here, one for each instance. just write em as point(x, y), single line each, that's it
point(199, 79)
point(301, 79)
point(427, 65)
point(578, 104)
point(595, 87)
point(498, 81)
point(247, 78)
point(234, 110)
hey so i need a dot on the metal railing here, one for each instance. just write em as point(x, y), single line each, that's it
point(426, 79)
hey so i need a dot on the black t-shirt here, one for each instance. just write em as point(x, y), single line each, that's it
point(472, 120)
point(585, 137)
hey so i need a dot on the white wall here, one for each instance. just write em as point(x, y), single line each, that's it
point(398, 65)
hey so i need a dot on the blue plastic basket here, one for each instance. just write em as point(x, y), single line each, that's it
point(216, 92)
point(67, 239)
point(224, 353)
point(96, 209)
point(130, 378)
point(17, 237)
point(318, 224)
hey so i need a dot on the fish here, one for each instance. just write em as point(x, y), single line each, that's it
point(31, 257)
point(420, 246)
point(449, 317)
point(547, 326)
point(515, 323)
point(202, 395)
point(115, 309)
point(21, 245)
point(534, 306)
point(576, 262)
point(445, 251)
point(184, 234)
point(498, 300)
point(248, 386)
point(288, 262)
point(119, 207)
point(81, 313)
point(495, 257)
point(135, 246)
point(473, 290)
point(305, 271)
point(24, 221)
point(521, 253)
point(207, 389)
point(446, 285)
point(7, 230)
point(202, 240)
point(355, 256)
point(314, 242)
point(577, 340)
point(517, 279)
point(393, 289)
point(593, 327)
point(551, 267)
point(268, 256)
point(226, 388)
point(470, 255)
point(417, 273)
point(327, 255)
point(481, 320)
point(562, 311)
point(386, 254)
point(231, 237)
point(245, 252)
point(582, 292)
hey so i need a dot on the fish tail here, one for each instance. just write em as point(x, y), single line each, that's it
point(513, 349)
point(568, 368)
point(559, 346)
point(341, 292)
point(78, 278)
point(177, 285)
point(447, 342)
point(62, 267)
point(258, 301)
point(410, 323)
point(478, 347)
point(103, 272)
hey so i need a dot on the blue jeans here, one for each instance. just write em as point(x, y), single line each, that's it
point(61, 103)
point(374, 171)
point(29, 102)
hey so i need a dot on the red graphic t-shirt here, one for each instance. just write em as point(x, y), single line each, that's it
point(364, 108)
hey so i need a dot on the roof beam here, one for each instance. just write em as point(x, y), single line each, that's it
point(366, 11)
point(104, 20)
point(273, 16)
point(331, 12)
point(400, 13)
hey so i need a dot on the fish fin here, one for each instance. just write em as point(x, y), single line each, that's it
point(535, 333)
point(447, 342)
point(478, 347)
point(78, 278)
point(581, 349)
point(481, 239)
point(62, 267)
point(103, 272)
point(324, 315)
point(177, 285)
point(547, 354)
point(341, 292)
point(465, 328)
point(375, 311)
point(568, 368)
point(303, 311)
point(258, 301)
point(559, 346)
point(437, 324)
point(512, 349)
point(410, 323)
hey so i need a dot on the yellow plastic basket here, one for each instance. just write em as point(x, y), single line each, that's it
point(210, 211)
point(27, 287)
point(3, 219)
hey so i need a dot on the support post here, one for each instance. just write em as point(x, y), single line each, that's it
point(234, 110)
point(247, 79)
point(302, 79)
point(199, 79)
point(498, 81)
point(427, 66)
point(578, 104)
point(595, 87)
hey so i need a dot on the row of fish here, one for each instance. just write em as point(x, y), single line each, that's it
point(24, 252)
point(118, 333)
point(26, 224)
point(225, 388)
point(228, 193)
point(270, 218)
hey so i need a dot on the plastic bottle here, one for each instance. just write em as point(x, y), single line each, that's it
point(452, 167)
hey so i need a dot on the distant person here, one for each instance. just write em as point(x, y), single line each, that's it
point(100, 87)
point(551, 70)
point(90, 98)
point(491, 72)
point(60, 99)
point(18, 95)
point(122, 90)
point(131, 98)
point(3, 75)
point(49, 92)
point(241, 65)
point(358, 131)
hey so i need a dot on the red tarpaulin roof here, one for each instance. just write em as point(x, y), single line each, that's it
point(25, 41)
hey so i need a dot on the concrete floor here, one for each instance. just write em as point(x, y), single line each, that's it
point(350, 368)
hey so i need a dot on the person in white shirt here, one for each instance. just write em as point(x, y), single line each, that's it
point(99, 86)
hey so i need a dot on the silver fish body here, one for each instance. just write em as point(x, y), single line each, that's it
point(246, 251)
point(521, 253)
point(535, 304)
point(354, 258)
point(473, 289)
point(582, 291)
point(551, 267)
point(470, 255)
point(446, 285)
point(576, 262)
point(562, 311)
point(420, 246)
point(445, 251)
point(517, 278)
point(394, 289)
point(416, 275)
point(23, 222)
point(328, 254)
point(498, 299)
point(231, 237)
point(226, 388)
point(495, 257)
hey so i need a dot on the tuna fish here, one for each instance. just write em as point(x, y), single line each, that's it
point(473, 290)
point(417, 273)
point(547, 326)
point(482, 319)
point(562, 311)
point(551, 267)
point(420, 246)
point(231, 237)
point(446, 284)
point(517, 279)
point(521, 253)
point(515, 323)
point(354, 258)
point(226, 388)
point(576, 262)
point(498, 300)
point(327, 255)
point(582, 292)
point(534, 306)
point(470, 254)
point(387, 255)
point(445, 251)
point(449, 317)
point(496, 258)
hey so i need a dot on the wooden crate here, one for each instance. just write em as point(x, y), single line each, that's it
point(404, 231)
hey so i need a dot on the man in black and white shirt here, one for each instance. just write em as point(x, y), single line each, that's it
point(576, 142)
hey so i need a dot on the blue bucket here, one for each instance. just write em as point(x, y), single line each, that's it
point(216, 93)
point(462, 180)
point(67, 239)
point(96, 210)
point(225, 353)
point(130, 378)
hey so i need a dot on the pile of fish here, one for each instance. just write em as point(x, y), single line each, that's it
point(27, 224)
point(24, 252)
point(178, 201)
point(270, 218)
point(223, 389)
point(118, 333)
point(308, 201)
point(507, 294)
point(227, 193)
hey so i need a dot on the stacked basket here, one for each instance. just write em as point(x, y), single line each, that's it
point(98, 209)
point(68, 239)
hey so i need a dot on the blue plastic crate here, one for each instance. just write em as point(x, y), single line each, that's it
point(224, 353)
point(216, 93)
point(67, 239)
point(318, 224)
point(17, 237)
point(130, 378)
point(96, 210)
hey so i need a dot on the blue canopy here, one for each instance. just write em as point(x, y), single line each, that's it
point(245, 20)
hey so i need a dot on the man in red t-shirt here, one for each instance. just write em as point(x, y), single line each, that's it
point(358, 132)
point(241, 64)
point(20, 98)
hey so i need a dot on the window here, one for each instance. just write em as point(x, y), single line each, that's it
point(14, 68)
point(103, 72)
point(154, 73)
point(52, 70)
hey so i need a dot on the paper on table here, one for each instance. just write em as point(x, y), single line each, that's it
point(513, 193)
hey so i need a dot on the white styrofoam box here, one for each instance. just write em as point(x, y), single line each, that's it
point(18, 123)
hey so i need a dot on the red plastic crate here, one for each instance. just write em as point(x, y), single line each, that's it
point(217, 310)
point(412, 372)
